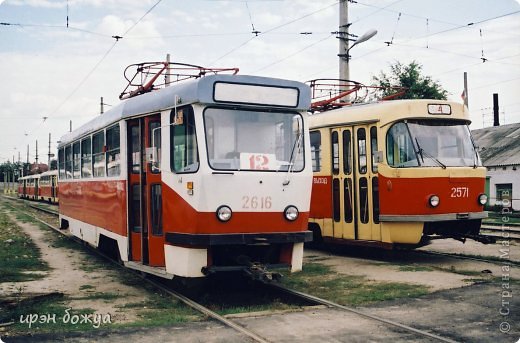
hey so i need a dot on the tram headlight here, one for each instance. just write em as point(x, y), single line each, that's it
point(224, 213)
point(291, 213)
point(482, 199)
point(434, 201)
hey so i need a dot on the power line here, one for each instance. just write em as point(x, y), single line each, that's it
point(270, 30)
point(61, 27)
point(469, 24)
point(78, 86)
point(379, 9)
point(293, 54)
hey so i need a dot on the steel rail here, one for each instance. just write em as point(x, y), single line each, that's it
point(204, 310)
point(43, 209)
point(466, 257)
point(306, 296)
point(362, 314)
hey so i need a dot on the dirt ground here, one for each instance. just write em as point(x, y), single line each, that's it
point(468, 314)
point(70, 274)
point(471, 247)
point(467, 302)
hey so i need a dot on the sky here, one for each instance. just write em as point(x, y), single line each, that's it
point(53, 74)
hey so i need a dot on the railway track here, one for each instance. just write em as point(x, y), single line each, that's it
point(468, 257)
point(229, 323)
point(498, 232)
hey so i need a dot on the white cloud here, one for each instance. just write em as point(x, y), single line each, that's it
point(37, 3)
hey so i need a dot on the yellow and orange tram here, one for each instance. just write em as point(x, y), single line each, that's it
point(397, 172)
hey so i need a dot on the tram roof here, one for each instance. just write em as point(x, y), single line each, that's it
point(188, 92)
point(50, 172)
point(386, 112)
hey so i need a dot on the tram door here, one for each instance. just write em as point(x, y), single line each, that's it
point(344, 226)
point(145, 193)
point(355, 183)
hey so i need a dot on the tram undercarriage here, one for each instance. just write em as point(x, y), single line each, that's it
point(456, 229)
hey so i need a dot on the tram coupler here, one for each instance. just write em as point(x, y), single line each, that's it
point(484, 239)
point(479, 238)
point(258, 272)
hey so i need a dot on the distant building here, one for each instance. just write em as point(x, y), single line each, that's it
point(38, 168)
point(499, 148)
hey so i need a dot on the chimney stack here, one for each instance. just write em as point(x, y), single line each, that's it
point(496, 119)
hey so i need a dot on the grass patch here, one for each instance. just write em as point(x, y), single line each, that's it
point(86, 287)
point(100, 295)
point(321, 281)
point(415, 268)
point(18, 254)
point(24, 218)
point(47, 316)
point(159, 310)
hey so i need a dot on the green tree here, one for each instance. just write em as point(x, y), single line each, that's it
point(410, 77)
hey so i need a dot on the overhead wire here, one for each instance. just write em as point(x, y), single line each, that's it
point(78, 86)
point(62, 27)
point(271, 30)
point(293, 54)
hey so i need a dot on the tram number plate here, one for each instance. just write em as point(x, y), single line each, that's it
point(459, 192)
point(256, 202)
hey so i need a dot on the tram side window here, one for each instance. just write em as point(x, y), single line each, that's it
point(373, 147)
point(156, 210)
point(113, 156)
point(335, 153)
point(155, 142)
point(185, 157)
point(86, 158)
point(399, 147)
point(347, 153)
point(76, 161)
point(61, 163)
point(316, 150)
point(98, 155)
point(135, 139)
point(68, 162)
point(362, 150)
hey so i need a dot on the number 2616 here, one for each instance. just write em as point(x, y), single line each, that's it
point(255, 202)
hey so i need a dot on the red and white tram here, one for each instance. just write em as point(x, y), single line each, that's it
point(397, 172)
point(206, 175)
point(28, 187)
point(48, 185)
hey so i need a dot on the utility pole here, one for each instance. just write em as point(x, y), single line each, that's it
point(27, 158)
point(466, 98)
point(36, 153)
point(49, 155)
point(70, 125)
point(101, 104)
point(167, 75)
point(344, 72)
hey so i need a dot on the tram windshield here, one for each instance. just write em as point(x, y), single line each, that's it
point(254, 140)
point(431, 143)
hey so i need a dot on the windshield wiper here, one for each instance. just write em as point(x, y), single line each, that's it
point(422, 152)
point(297, 144)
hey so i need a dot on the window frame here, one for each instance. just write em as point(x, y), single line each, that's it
point(76, 159)
point(113, 148)
point(85, 157)
point(101, 153)
point(316, 154)
point(187, 114)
